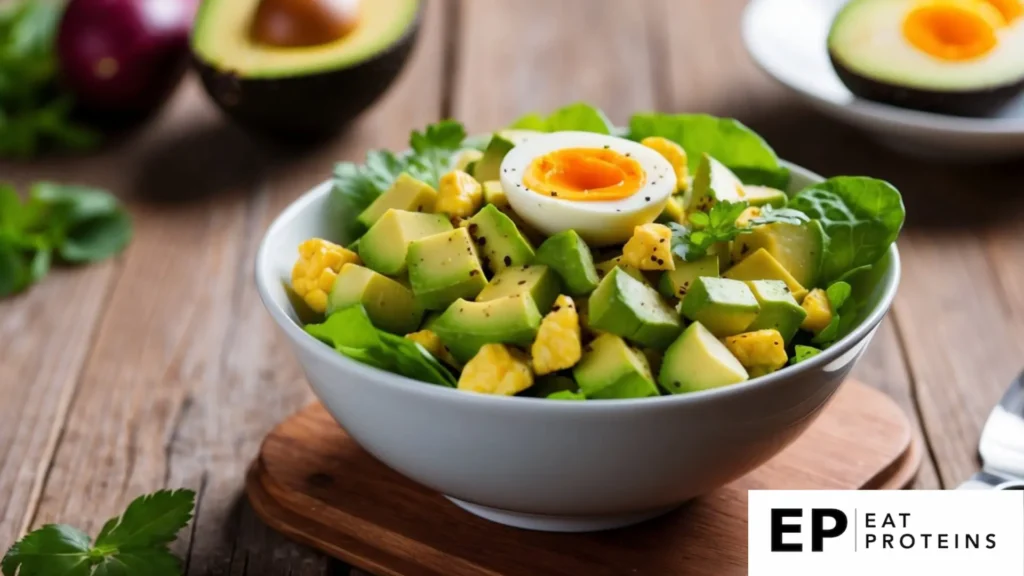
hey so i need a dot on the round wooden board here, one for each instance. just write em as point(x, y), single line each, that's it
point(312, 483)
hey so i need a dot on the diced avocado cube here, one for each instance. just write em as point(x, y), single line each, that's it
point(675, 283)
point(779, 310)
point(762, 266)
point(443, 268)
point(723, 306)
point(764, 196)
point(384, 246)
point(711, 183)
point(500, 243)
point(466, 326)
point(568, 255)
point(406, 193)
point(798, 248)
point(495, 194)
point(603, 268)
point(698, 360)
point(538, 282)
point(465, 160)
point(489, 167)
point(610, 369)
point(390, 305)
point(630, 308)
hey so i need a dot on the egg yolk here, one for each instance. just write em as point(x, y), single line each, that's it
point(596, 174)
point(1010, 9)
point(954, 30)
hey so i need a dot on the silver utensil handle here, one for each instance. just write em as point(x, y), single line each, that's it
point(988, 481)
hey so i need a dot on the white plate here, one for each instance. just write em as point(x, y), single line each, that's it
point(787, 39)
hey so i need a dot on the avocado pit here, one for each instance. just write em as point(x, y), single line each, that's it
point(303, 23)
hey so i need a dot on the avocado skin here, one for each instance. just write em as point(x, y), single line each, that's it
point(308, 106)
point(971, 103)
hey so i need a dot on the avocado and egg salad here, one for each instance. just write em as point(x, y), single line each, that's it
point(962, 57)
point(556, 259)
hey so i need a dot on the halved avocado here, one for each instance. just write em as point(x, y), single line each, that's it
point(962, 58)
point(311, 80)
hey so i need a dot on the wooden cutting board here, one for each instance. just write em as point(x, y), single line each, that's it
point(315, 485)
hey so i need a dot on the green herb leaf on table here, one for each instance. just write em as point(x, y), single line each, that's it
point(727, 140)
point(801, 353)
point(75, 223)
point(579, 116)
point(692, 242)
point(351, 333)
point(134, 544)
point(861, 216)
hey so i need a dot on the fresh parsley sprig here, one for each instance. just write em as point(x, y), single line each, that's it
point(73, 224)
point(356, 186)
point(134, 544)
point(693, 240)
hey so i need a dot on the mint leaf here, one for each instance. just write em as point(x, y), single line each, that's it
point(149, 521)
point(53, 550)
point(153, 562)
point(861, 217)
point(727, 140)
point(15, 273)
point(579, 117)
point(97, 238)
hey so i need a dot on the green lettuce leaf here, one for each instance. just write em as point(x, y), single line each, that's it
point(579, 116)
point(727, 140)
point(861, 216)
point(350, 332)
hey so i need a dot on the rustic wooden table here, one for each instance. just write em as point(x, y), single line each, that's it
point(161, 368)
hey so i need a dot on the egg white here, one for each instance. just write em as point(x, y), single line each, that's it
point(599, 223)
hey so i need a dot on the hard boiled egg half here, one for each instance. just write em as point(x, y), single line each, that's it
point(600, 186)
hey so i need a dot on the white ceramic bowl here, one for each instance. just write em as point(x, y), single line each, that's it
point(559, 466)
point(787, 39)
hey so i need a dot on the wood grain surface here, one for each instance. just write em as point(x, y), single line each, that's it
point(160, 368)
point(312, 482)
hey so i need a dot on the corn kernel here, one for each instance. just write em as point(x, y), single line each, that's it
point(650, 248)
point(557, 345)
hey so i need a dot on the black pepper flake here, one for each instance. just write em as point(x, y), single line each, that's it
point(776, 343)
point(618, 210)
point(661, 241)
point(555, 194)
point(647, 198)
point(556, 308)
point(508, 260)
point(627, 154)
point(682, 291)
point(661, 262)
point(481, 240)
point(654, 258)
point(677, 384)
point(473, 272)
point(473, 228)
point(521, 282)
point(606, 146)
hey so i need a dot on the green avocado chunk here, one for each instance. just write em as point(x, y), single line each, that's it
point(799, 248)
point(466, 326)
point(539, 282)
point(725, 307)
point(698, 360)
point(606, 266)
point(610, 369)
point(384, 246)
point(443, 268)
point(764, 196)
point(390, 305)
point(568, 255)
point(489, 167)
point(675, 283)
point(627, 307)
point(500, 243)
point(779, 310)
point(713, 182)
point(407, 193)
